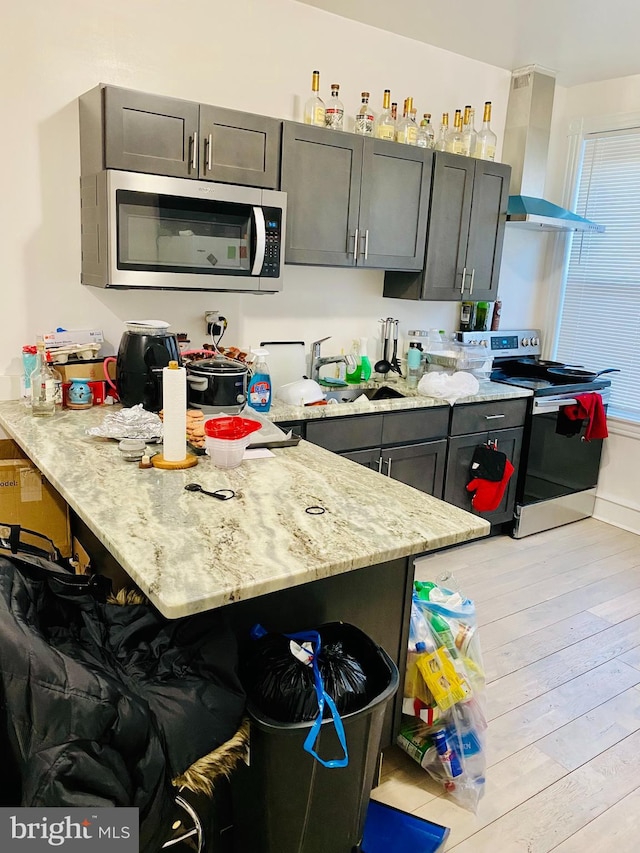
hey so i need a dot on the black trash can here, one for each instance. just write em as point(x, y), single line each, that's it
point(287, 802)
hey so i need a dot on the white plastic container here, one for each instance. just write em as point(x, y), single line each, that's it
point(226, 452)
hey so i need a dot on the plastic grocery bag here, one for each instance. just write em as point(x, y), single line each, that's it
point(443, 723)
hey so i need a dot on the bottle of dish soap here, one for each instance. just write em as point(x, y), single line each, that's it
point(259, 395)
point(353, 376)
point(365, 364)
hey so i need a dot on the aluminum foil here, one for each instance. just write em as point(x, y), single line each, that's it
point(135, 422)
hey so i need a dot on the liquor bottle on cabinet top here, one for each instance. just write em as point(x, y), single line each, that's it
point(407, 129)
point(386, 124)
point(487, 140)
point(334, 112)
point(46, 384)
point(365, 117)
point(467, 316)
point(314, 109)
point(469, 135)
point(426, 136)
point(454, 136)
point(394, 111)
point(441, 143)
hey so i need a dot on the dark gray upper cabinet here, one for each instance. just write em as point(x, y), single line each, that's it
point(465, 233)
point(354, 201)
point(139, 132)
point(239, 148)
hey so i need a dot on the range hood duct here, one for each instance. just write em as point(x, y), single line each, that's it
point(525, 149)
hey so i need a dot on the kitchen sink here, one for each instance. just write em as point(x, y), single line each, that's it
point(348, 395)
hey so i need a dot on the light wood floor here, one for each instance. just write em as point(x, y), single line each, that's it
point(559, 617)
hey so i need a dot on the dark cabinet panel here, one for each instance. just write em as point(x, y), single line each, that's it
point(419, 465)
point(149, 133)
point(341, 434)
point(354, 201)
point(458, 471)
point(495, 414)
point(465, 233)
point(417, 425)
point(239, 148)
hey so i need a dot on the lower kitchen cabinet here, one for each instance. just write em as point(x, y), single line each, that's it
point(419, 465)
point(409, 446)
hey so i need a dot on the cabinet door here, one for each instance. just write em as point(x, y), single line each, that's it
point(150, 133)
point(458, 471)
point(321, 175)
point(347, 433)
point(239, 148)
point(368, 458)
point(445, 276)
point(419, 465)
point(394, 203)
point(486, 228)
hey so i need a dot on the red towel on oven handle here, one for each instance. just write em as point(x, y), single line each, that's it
point(590, 406)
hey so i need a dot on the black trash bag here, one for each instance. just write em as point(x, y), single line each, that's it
point(283, 686)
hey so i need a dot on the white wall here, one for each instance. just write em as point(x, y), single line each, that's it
point(254, 55)
point(617, 494)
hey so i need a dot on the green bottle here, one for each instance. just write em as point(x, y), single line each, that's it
point(441, 629)
point(423, 588)
point(482, 317)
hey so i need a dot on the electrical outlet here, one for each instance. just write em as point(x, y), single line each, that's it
point(211, 317)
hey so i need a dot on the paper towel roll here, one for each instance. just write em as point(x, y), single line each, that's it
point(174, 412)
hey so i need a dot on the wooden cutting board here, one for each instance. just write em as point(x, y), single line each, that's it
point(287, 361)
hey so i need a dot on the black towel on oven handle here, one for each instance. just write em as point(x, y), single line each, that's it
point(488, 463)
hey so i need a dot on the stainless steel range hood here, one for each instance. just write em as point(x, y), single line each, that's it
point(525, 149)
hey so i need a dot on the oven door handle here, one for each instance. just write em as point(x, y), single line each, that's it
point(261, 240)
point(542, 406)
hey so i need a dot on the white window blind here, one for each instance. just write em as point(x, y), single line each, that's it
point(600, 318)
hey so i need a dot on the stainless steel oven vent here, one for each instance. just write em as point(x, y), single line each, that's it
point(525, 149)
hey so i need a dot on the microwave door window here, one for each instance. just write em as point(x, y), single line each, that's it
point(166, 234)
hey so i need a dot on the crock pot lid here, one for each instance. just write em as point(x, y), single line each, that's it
point(216, 366)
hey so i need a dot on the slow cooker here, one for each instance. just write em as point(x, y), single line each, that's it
point(217, 384)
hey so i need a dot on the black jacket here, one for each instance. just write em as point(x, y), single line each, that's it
point(102, 704)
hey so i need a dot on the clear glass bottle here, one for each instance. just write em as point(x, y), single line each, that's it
point(386, 124)
point(487, 140)
point(426, 136)
point(44, 385)
point(441, 142)
point(334, 112)
point(314, 109)
point(469, 135)
point(454, 137)
point(407, 129)
point(365, 117)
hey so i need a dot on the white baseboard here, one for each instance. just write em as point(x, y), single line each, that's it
point(626, 516)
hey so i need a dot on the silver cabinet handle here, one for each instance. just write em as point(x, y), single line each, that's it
point(464, 275)
point(388, 467)
point(473, 275)
point(194, 151)
point(493, 417)
point(366, 244)
point(209, 154)
point(380, 465)
point(355, 244)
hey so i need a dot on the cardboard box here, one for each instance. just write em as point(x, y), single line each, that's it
point(92, 368)
point(28, 499)
point(67, 337)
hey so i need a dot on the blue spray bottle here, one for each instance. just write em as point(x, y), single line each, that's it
point(259, 395)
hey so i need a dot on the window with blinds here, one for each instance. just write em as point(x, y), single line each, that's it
point(600, 316)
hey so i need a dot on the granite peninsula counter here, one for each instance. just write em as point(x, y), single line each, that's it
point(188, 552)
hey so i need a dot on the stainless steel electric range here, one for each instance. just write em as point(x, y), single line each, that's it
point(558, 471)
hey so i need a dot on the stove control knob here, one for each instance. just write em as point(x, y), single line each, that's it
point(535, 342)
point(483, 343)
point(525, 342)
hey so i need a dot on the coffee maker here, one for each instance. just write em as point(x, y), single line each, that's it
point(145, 348)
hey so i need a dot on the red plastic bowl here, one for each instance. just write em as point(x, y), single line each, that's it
point(230, 428)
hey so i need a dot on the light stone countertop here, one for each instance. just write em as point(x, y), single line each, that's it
point(189, 552)
point(487, 392)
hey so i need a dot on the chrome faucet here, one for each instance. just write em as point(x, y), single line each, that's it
point(317, 361)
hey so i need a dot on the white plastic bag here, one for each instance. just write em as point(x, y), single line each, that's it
point(448, 386)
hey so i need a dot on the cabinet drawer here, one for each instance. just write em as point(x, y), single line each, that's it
point(420, 425)
point(480, 417)
point(346, 433)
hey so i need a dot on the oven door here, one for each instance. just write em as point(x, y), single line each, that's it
point(560, 472)
point(180, 234)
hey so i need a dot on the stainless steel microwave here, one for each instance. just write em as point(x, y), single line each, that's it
point(160, 233)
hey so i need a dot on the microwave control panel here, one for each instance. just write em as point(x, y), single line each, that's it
point(272, 222)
